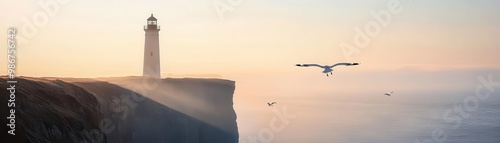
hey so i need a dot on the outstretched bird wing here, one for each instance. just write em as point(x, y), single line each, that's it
point(344, 64)
point(308, 65)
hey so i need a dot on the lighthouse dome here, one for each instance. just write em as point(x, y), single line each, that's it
point(152, 18)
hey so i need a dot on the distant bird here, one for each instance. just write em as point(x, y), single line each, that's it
point(327, 69)
point(389, 94)
point(271, 104)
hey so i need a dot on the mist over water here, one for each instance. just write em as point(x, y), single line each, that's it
point(361, 122)
point(351, 107)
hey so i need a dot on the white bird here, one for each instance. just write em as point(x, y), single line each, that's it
point(327, 68)
point(389, 94)
point(271, 104)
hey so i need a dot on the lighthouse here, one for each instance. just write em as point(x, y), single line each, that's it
point(151, 67)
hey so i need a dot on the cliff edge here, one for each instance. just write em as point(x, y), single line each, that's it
point(124, 110)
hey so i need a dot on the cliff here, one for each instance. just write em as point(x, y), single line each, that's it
point(124, 110)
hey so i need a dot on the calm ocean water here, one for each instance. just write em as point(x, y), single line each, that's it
point(429, 109)
point(379, 123)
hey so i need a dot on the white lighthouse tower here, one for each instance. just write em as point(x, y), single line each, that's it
point(151, 49)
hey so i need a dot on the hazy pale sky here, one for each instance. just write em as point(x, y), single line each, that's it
point(94, 38)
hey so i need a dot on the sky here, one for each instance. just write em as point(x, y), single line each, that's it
point(433, 48)
point(99, 39)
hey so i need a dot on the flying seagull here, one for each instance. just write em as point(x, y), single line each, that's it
point(271, 104)
point(327, 68)
point(389, 94)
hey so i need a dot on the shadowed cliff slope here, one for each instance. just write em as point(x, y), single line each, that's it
point(126, 109)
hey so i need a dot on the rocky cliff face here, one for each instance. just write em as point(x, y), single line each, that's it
point(124, 110)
